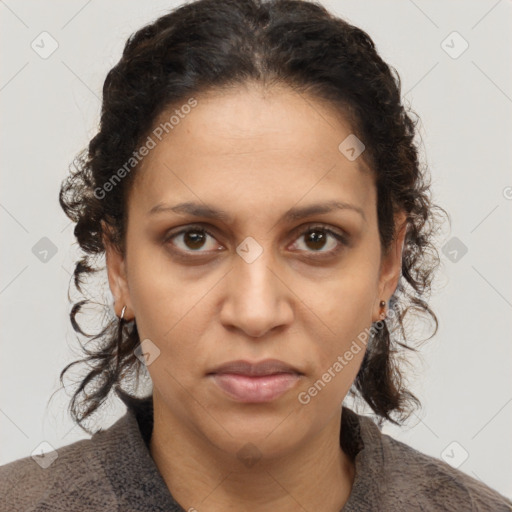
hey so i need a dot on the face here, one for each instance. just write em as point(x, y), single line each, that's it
point(256, 283)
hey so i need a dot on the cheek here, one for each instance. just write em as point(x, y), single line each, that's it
point(343, 316)
point(156, 294)
point(346, 303)
point(170, 307)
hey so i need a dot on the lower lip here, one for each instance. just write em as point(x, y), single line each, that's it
point(255, 389)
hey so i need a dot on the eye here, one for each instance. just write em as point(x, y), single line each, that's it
point(194, 238)
point(316, 238)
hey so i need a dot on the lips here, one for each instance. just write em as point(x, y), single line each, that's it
point(258, 369)
point(264, 388)
point(259, 382)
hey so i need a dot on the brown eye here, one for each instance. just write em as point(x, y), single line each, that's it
point(316, 238)
point(193, 239)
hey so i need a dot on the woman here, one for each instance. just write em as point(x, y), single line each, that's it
point(256, 191)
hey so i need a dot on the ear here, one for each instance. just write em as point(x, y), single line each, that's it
point(391, 264)
point(117, 279)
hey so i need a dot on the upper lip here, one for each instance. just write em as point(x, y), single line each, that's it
point(265, 367)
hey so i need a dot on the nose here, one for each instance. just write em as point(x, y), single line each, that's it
point(257, 299)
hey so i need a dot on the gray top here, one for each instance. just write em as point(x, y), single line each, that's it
point(114, 471)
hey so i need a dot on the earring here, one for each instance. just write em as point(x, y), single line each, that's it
point(382, 305)
point(119, 340)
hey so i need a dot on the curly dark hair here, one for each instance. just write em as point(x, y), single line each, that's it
point(222, 44)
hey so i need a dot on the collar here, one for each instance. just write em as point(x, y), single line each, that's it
point(138, 484)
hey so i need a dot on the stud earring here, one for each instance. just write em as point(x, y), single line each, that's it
point(382, 305)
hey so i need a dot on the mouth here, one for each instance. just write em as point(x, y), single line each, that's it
point(257, 369)
point(259, 382)
point(247, 389)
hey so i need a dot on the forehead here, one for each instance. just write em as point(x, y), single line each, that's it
point(249, 147)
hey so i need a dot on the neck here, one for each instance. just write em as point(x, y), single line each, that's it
point(315, 476)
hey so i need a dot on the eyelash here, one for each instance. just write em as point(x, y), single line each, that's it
point(201, 229)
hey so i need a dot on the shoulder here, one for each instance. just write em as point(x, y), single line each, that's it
point(421, 482)
point(57, 481)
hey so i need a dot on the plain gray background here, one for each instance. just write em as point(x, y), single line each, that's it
point(50, 109)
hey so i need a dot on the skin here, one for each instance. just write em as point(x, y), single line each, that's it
point(255, 154)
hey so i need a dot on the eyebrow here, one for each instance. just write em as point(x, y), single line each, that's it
point(293, 214)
